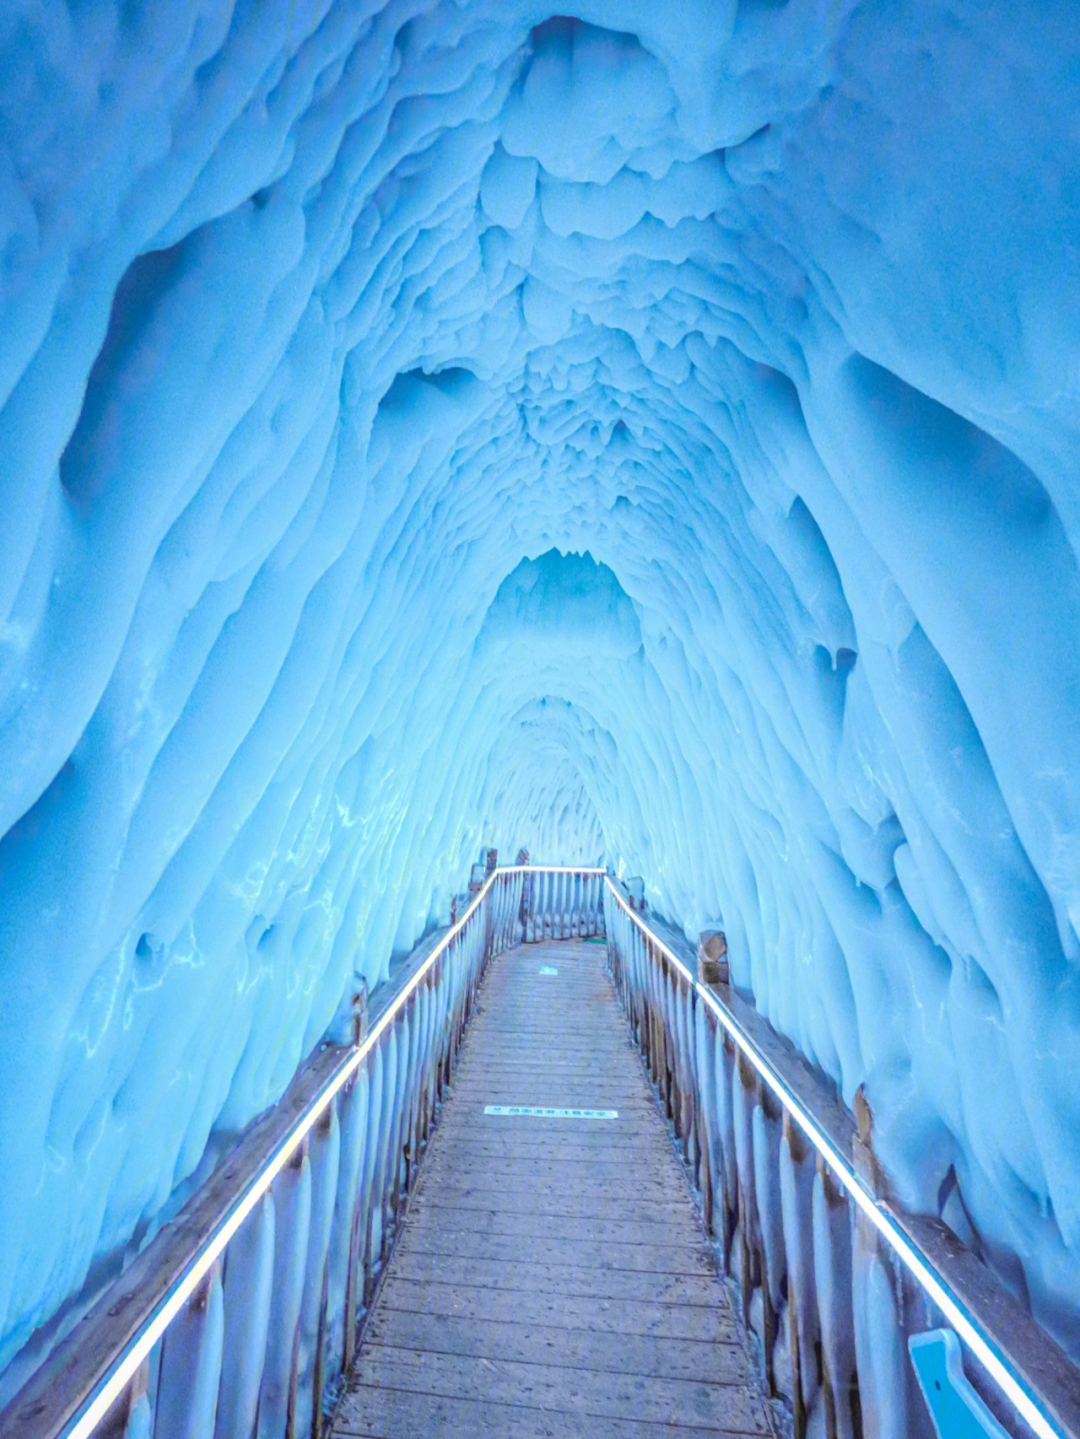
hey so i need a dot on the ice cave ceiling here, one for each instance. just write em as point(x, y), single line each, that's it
point(648, 434)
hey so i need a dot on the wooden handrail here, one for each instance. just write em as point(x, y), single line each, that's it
point(95, 1367)
point(1018, 1357)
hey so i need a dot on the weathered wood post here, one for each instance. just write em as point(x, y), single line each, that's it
point(891, 1404)
point(797, 1199)
point(292, 1220)
point(130, 1416)
point(712, 957)
point(190, 1372)
point(249, 1277)
point(325, 1155)
point(744, 1095)
point(767, 1124)
point(346, 1283)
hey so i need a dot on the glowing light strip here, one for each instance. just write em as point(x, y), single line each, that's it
point(114, 1385)
point(992, 1361)
point(202, 1262)
point(549, 869)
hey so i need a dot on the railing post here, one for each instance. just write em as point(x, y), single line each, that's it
point(489, 924)
point(743, 1098)
point(249, 1277)
point(190, 1373)
point(418, 1086)
point(705, 1046)
point(292, 1223)
point(797, 1199)
point(686, 1049)
point(381, 1082)
point(346, 1282)
point(832, 1280)
point(387, 1184)
point(130, 1417)
point(725, 1097)
point(405, 1029)
point(669, 999)
point(767, 1120)
point(325, 1156)
point(891, 1405)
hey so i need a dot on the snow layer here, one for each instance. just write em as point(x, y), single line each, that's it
point(428, 425)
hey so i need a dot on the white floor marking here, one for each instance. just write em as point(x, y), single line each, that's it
point(540, 1113)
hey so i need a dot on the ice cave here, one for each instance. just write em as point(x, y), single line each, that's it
point(647, 436)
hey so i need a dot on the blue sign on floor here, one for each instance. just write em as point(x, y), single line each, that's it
point(547, 969)
point(957, 1411)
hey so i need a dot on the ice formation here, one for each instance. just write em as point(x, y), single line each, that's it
point(431, 425)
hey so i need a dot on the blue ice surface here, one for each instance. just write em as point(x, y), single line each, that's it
point(650, 435)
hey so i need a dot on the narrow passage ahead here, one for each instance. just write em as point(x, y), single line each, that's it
point(551, 1278)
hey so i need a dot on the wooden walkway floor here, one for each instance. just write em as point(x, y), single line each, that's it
point(551, 1277)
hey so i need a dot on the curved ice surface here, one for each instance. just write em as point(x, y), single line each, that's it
point(432, 425)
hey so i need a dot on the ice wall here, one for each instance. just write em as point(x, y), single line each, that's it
point(432, 425)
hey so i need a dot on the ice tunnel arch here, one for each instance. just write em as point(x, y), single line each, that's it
point(339, 343)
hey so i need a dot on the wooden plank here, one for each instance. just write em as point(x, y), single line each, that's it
point(517, 1065)
point(392, 1414)
point(605, 1167)
point(581, 1190)
point(574, 1037)
point(598, 1350)
point(524, 1125)
point(690, 1257)
point(597, 1148)
point(586, 1090)
point(619, 1215)
point(535, 1173)
point(558, 1304)
point(506, 1184)
point(567, 1282)
point(559, 1389)
point(606, 1146)
point(557, 1095)
point(641, 1232)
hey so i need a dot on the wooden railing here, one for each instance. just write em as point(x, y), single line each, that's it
point(560, 903)
point(833, 1275)
point(241, 1317)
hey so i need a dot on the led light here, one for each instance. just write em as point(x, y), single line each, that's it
point(923, 1272)
point(882, 1221)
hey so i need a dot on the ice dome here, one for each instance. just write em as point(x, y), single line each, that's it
point(647, 435)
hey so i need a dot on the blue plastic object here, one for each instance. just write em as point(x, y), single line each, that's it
point(957, 1411)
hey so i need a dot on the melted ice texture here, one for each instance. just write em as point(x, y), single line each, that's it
point(433, 425)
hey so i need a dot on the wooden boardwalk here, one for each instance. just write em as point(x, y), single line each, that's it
point(551, 1278)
